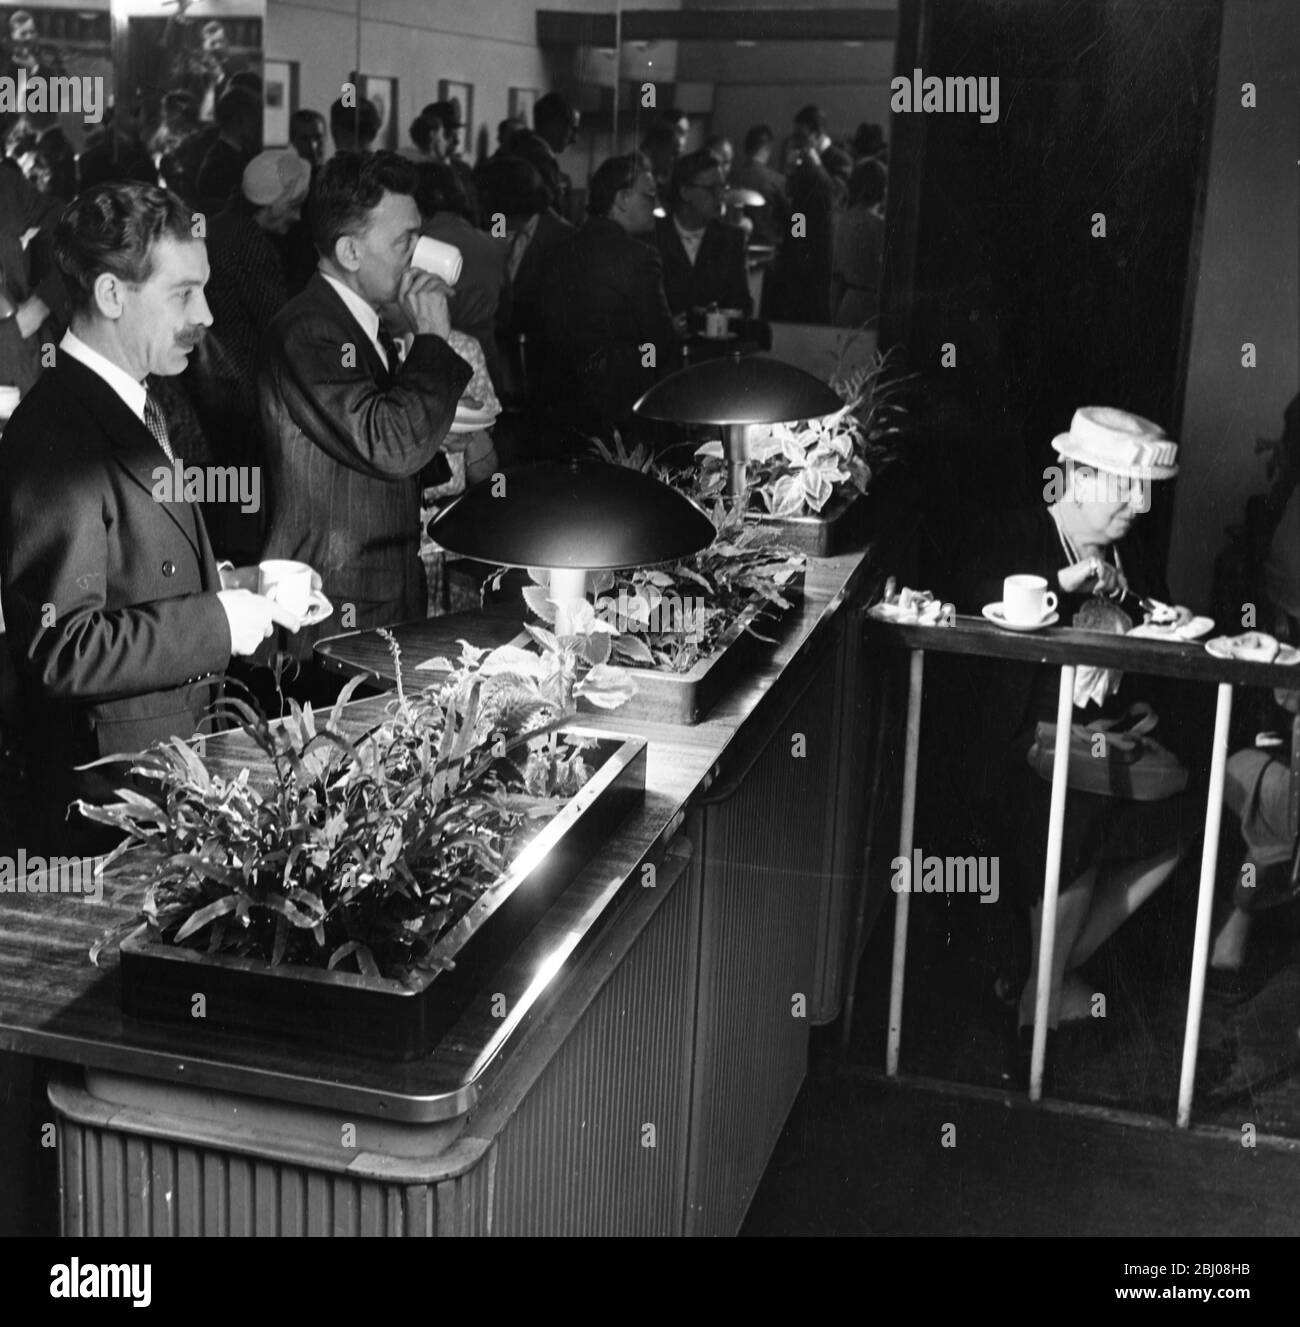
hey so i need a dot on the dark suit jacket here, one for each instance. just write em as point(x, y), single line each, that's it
point(345, 447)
point(109, 594)
point(521, 311)
point(602, 301)
point(716, 277)
point(28, 272)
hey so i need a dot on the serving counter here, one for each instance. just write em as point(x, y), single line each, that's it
point(627, 1071)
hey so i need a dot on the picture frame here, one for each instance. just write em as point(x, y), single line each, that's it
point(451, 90)
point(382, 91)
point(279, 100)
point(520, 104)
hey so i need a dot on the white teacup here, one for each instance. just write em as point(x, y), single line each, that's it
point(9, 397)
point(1027, 600)
point(286, 582)
point(443, 260)
point(716, 324)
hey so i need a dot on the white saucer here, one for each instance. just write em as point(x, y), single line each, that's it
point(473, 421)
point(318, 610)
point(994, 614)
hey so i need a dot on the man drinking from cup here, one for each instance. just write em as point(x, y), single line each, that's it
point(349, 422)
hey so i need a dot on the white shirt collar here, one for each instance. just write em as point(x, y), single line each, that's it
point(691, 239)
point(132, 393)
point(360, 310)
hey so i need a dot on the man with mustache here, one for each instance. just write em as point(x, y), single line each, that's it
point(119, 620)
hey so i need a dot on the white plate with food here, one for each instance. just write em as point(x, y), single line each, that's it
point(1253, 647)
point(1193, 630)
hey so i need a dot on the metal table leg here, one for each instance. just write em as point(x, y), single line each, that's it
point(1205, 902)
point(1052, 878)
point(906, 828)
point(880, 708)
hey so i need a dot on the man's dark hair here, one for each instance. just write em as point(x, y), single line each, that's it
point(247, 80)
point(759, 137)
point(237, 109)
point(302, 117)
point(348, 187)
point(113, 228)
point(867, 184)
point(612, 177)
point(550, 112)
point(687, 168)
point(532, 148)
point(359, 122)
point(438, 188)
point(511, 186)
point(423, 127)
point(812, 117)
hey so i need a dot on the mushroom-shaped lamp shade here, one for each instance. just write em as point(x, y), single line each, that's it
point(572, 517)
point(735, 392)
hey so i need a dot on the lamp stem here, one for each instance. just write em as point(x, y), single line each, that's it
point(568, 589)
point(735, 446)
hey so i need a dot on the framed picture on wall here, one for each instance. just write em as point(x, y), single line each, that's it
point(382, 93)
point(279, 99)
point(463, 95)
point(520, 106)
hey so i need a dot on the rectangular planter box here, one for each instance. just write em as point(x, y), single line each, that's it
point(383, 1017)
point(816, 536)
point(687, 698)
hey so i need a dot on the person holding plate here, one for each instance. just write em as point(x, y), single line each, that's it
point(1116, 852)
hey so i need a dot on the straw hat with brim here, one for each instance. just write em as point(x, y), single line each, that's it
point(1119, 443)
point(272, 176)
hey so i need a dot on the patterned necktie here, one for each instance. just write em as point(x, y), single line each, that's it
point(157, 425)
point(389, 347)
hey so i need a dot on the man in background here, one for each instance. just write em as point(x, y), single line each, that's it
point(703, 256)
point(608, 328)
point(32, 293)
point(354, 128)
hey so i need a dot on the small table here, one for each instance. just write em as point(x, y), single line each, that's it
point(1068, 648)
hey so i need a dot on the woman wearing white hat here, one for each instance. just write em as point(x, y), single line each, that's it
point(1116, 852)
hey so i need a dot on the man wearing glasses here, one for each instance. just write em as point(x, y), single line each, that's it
point(703, 256)
point(608, 326)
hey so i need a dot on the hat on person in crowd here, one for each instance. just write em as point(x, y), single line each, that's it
point(275, 175)
point(1118, 443)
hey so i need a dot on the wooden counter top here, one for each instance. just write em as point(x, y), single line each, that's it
point(54, 1003)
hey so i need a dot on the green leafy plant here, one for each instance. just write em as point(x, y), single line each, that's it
point(795, 469)
point(744, 574)
point(362, 849)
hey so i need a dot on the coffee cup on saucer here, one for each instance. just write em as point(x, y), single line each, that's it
point(286, 582)
point(1026, 600)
